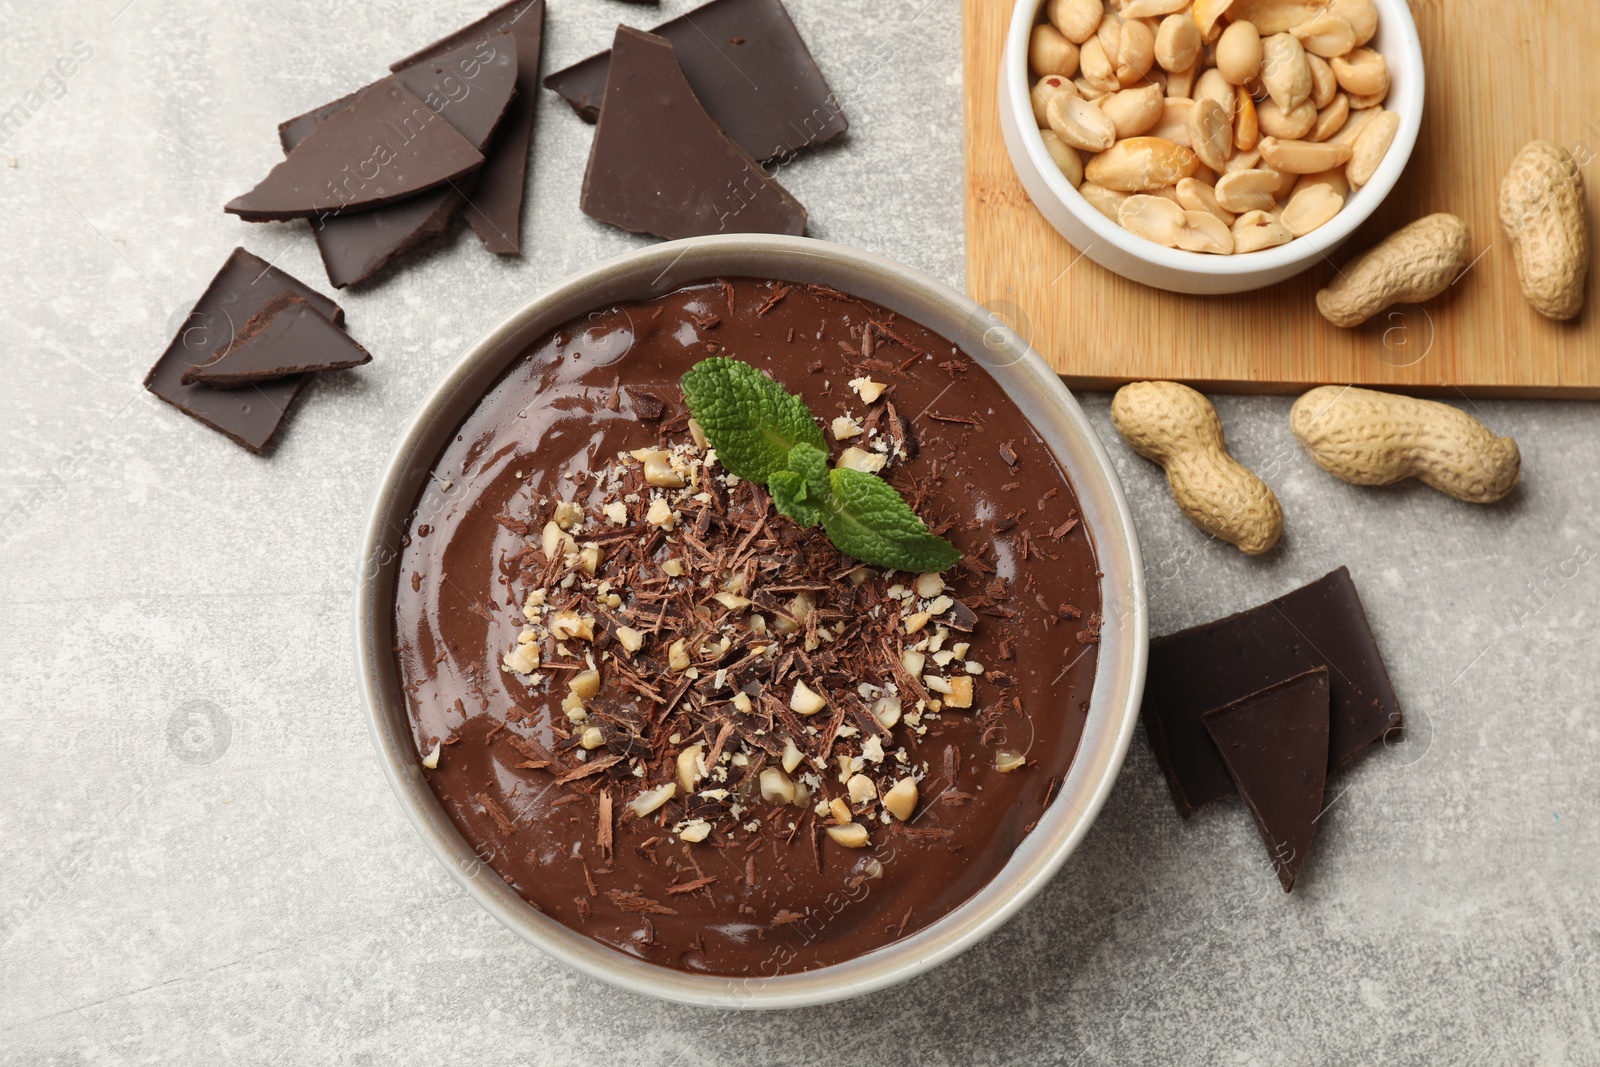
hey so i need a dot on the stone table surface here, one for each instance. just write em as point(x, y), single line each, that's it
point(204, 864)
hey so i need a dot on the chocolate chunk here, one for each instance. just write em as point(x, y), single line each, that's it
point(285, 337)
point(661, 165)
point(358, 244)
point(494, 208)
point(1275, 743)
point(1191, 672)
point(249, 416)
point(386, 146)
point(469, 85)
point(749, 67)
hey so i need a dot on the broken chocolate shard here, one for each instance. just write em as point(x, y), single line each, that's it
point(1319, 625)
point(357, 245)
point(384, 147)
point(469, 86)
point(661, 165)
point(494, 208)
point(750, 68)
point(1275, 744)
point(285, 337)
point(249, 416)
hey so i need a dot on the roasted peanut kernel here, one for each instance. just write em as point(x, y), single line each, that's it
point(840, 810)
point(524, 659)
point(805, 701)
point(556, 542)
point(630, 639)
point(658, 469)
point(852, 835)
point(694, 831)
point(844, 427)
point(567, 515)
point(567, 623)
point(959, 695)
point(861, 789)
point(589, 559)
point(698, 436)
point(901, 799)
point(913, 662)
point(731, 601)
point(672, 568)
point(792, 756)
point(616, 513)
point(776, 787)
point(678, 655)
point(916, 621)
point(867, 389)
point(1049, 52)
point(592, 738)
point(691, 767)
point(585, 685)
point(572, 704)
point(886, 709)
point(660, 514)
point(857, 459)
point(651, 799)
point(1006, 762)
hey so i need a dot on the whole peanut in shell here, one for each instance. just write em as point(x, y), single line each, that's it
point(1411, 265)
point(1541, 210)
point(1365, 437)
point(1178, 428)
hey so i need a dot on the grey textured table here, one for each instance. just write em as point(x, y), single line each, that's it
point(204, 865)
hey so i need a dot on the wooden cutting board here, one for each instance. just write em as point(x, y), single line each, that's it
point(1499, 74)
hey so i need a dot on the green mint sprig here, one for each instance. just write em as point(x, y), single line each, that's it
point(768, 436)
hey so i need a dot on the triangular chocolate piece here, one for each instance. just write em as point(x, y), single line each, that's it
point(473, 87)
point(357, 245)
point(249, 416)
point(494, 208)
point(750, 68)
point(386, 146)
point(1275, 744)
point(285, 337)
point(661, 165)
point(1191, 672)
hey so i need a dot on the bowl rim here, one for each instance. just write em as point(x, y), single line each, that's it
point(1392, 14)
point(1046, 403)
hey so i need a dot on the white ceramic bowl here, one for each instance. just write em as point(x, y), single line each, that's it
point(1045, 402)
point(1193, 272)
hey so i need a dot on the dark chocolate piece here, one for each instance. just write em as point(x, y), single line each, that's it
point(494, 208)
point(470, 88)
point(386, 146)
point(750, 68)
point(661, 165)
point(1193, 671)
point(249, 416)
point(1275, 743)
point(285, 337)
point(357, 245)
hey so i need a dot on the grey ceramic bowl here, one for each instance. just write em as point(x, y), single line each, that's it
point(1026, 379)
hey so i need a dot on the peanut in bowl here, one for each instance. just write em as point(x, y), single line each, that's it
point(1277, 135)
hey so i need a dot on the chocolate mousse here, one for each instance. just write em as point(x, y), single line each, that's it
point(693, 730)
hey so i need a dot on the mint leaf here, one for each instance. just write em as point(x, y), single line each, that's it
point(747, 417)
point(811, 463)
point(765, 435)
point(789, 494)
point(867, 518)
